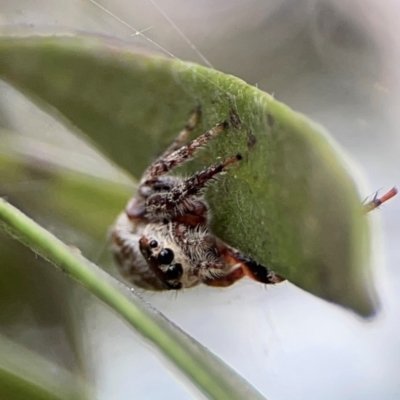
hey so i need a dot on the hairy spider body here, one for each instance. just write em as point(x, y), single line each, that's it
point(162, 240)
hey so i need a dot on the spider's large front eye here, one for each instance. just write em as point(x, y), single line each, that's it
point(173, 272)
point(165, 256)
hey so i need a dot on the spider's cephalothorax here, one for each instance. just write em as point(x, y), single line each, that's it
point(162, 239)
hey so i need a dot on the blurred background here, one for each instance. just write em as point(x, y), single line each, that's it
point(336, 61)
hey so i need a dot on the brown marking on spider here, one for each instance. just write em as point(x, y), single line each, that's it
point(163, 241)
point(270, 120)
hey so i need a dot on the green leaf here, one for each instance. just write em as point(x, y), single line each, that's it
point(290, 204)
point(205, 370)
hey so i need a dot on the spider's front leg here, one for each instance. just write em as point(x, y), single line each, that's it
point(164, 164)
point(241, 266)
point(226, 279)
point(183, 202)
point(177, 143)
point(150, 182)
point(153, 180)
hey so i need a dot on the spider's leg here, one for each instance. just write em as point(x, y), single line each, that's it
point(225, 280)
point(250, 268)
point(218, 273)
point(182, 136)
point(240, 266)
point(164, 164)
point(179, 200)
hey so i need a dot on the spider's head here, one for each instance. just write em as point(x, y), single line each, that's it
point(167, 259)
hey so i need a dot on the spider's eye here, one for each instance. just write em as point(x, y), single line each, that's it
point(165, 257)
point(153, 244)
point(173, 272)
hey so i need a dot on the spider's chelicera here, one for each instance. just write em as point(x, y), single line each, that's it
point(163, 241)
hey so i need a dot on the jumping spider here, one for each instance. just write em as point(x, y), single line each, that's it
point(162, 240)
